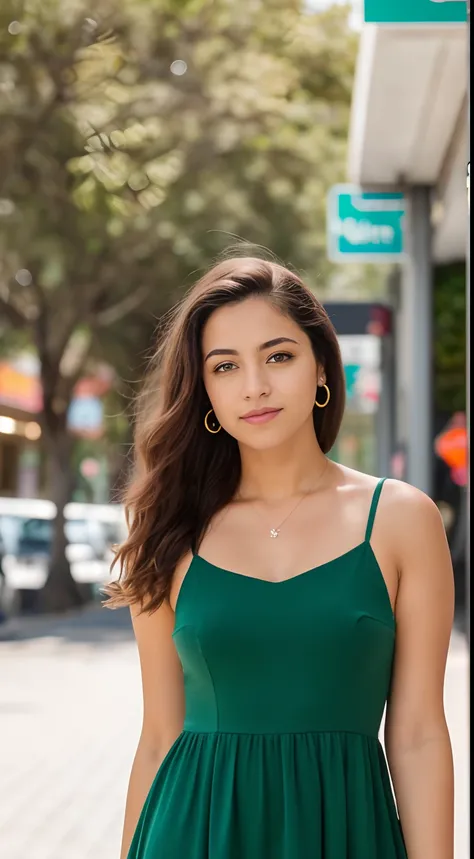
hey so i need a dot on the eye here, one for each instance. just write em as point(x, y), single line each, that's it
point(280, 357)
point(224, 368)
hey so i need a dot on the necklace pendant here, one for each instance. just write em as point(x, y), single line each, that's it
point(274, 532)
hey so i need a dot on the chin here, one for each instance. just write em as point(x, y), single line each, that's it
point(266, 440)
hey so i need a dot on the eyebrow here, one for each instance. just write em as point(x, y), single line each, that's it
point(267, 345)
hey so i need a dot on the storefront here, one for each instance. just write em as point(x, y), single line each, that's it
point(409, 133)
point(21, 472)
point(22, 461)
point(365, 336)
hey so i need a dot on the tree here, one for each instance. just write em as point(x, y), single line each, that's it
point(136, 137)
point(450, 338)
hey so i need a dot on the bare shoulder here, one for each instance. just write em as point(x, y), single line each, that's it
point(403, 509)
point(357, 481)
point(411, 522)
point(410, 507)
point(396, 493)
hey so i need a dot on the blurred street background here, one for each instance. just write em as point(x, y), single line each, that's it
point(140, 139)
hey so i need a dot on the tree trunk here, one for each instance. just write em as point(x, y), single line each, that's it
point(60, 592)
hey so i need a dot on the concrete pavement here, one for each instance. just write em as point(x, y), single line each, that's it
point(70, 703)
point(70, 711)
point(457, 713)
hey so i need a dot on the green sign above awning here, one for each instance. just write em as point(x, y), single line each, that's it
point(365, 226)
point(415, 11)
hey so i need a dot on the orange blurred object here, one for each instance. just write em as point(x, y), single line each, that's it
point(451, 446)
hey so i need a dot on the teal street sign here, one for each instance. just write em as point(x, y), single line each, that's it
point(351, 372)
point(365, 226)
point(415, 11)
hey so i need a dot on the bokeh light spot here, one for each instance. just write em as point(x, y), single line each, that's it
point(178, 68)
point(23, 277)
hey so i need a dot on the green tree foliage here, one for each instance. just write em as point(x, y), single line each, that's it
point(450, 337)
point(137, 136)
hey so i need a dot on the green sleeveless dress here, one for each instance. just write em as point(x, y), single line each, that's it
point(285, 688)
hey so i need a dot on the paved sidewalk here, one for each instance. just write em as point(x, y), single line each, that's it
point(70, 710)
point(457, 713)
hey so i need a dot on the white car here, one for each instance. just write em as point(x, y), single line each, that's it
point(26, 529)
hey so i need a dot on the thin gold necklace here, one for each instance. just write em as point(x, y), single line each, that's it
point(275, 532)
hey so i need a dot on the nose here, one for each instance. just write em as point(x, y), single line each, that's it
point(256, 383)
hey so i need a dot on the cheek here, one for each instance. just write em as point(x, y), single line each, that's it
point(300, 386)
point(220, 393)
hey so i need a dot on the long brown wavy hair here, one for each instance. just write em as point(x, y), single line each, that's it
point(183, 475)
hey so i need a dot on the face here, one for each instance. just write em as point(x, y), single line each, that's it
point(259, 372)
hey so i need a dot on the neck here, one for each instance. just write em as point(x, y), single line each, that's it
point(278, 473)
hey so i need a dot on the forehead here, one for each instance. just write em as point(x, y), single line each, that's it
point(248, 322)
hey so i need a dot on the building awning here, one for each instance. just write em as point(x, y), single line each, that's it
point(357, 318)
point(409, 119)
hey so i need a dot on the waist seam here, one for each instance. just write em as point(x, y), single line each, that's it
point(280, 733)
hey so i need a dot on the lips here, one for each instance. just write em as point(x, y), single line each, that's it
point(260, 416)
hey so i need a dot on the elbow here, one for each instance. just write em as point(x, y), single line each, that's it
point(414, 739)
point(156, 745)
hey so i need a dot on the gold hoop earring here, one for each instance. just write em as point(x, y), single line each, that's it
point(328, 397)
point(206, 424)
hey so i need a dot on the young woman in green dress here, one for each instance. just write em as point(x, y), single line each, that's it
point(279, 601)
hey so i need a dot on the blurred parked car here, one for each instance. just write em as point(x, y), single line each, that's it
point(100, 525)
point(26, 530)
point(8, 594)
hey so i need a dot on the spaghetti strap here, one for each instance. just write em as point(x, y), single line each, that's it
point(373, 509)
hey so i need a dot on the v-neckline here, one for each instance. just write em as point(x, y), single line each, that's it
point(301, 575)
point(198, 559)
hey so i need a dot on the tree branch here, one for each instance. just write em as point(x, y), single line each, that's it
point(75, 354)
point(15, 318)
point(117, 311)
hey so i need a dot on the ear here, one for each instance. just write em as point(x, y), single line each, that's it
point(321, 377)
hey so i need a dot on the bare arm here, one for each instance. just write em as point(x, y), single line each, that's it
point(416, 735)
point(163, 709)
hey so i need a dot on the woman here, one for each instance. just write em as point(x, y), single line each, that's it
point(268, 587)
